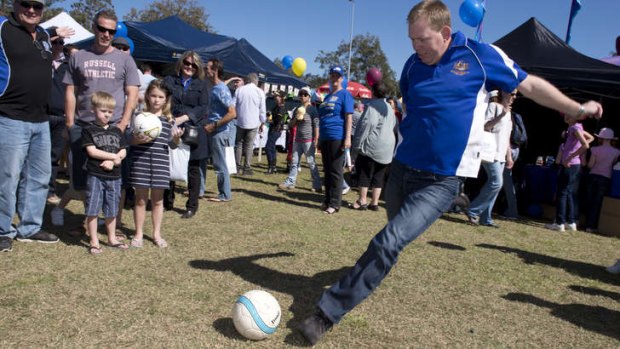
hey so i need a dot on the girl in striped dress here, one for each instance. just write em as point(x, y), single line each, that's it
point(150, 168)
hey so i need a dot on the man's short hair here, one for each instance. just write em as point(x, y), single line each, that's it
point(102, 99)
point(105, 14)
point(252, 78)
point(435, 11)
point(218, 66)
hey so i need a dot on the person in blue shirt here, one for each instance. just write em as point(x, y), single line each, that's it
point(445, 86)
point(335, 120)
point(221, 112)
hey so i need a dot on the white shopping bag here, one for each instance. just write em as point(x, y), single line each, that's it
point(179, 158)
point(230, 160)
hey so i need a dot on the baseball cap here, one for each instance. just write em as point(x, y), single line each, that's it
point(120, 41)
point(494, 93)
point(307, 90)
point(606, 133)
point(42, 2)
point(336, 69)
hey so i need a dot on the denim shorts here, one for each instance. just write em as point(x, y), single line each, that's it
point(103, 194)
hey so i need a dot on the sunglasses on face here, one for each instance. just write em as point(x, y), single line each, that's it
point(104, 29)
point(58, 42)
point(190, 64)
point(31, 5)
point(303, 94)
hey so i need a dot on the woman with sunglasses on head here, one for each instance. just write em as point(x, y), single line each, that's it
point(190, 100)
point(496, 154)
point(335, 120)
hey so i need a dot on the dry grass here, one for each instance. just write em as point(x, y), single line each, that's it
point(456, 286)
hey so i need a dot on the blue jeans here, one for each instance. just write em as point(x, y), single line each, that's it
point(598, 186)
point(308, 149)
point(217, 144)
point(25, 150)
point(78, 158)
point(568, 187)
point(414, 201)
point(270, 146)
point(482, 206)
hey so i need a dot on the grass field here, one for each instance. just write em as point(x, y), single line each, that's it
point(462, 286)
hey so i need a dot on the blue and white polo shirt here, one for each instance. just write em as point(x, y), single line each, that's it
point(442, 130)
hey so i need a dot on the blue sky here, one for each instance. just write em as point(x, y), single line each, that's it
point(303, 28)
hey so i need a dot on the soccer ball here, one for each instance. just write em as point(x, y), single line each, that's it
point(147, 124)
point(256, 314)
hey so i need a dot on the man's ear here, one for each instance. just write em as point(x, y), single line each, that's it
point(446, 32)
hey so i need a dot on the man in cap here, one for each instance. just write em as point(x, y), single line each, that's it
point(445, 86)
point(25, 85)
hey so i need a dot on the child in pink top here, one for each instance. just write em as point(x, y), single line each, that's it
point(601, 164)
point(576, 144)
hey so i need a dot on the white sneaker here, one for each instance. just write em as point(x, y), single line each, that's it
point(572, 226)
point(346, 190)
point(614, 269)
point(556, 227)
point(58, 216)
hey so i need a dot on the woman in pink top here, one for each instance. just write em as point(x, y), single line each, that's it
point(576, 144)
point(601, 164)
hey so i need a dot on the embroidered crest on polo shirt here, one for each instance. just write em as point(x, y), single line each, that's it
point(460, 68)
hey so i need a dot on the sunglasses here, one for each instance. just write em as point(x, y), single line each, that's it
point(58, 42)
point(513, 94)
point(31, 5)
point(45, 54)
point(303, 94)
point(189, 64)
point(104, 29)
point(122, 48)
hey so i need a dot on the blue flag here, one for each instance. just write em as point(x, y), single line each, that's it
point(574, 9)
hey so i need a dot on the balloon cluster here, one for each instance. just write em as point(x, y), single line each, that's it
point(121, 31)
point(471, 12)
point(297, 65)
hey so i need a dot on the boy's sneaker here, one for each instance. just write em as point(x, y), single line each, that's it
point(42, 236)
point(6, 244)
point(315, 327)
point(556, 227)
point(58, 216)
point(614, 269)
point(346, 190)
point(571, 226)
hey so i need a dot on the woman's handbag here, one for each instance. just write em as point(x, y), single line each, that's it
point(190, 136)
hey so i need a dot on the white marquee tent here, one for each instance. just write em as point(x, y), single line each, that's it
point(64, 19)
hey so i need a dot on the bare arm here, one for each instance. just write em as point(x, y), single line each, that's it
point(348, 123)
point(584, 147)
point(70, 105)
point(131, 95)
point(545, 94)
point(232, 113)
point(99, 154)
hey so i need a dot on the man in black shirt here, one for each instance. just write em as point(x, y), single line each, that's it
point(25, 85)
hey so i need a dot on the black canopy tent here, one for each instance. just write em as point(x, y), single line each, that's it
point(540, 52)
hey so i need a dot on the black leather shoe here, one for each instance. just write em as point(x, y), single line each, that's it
point(188, 214)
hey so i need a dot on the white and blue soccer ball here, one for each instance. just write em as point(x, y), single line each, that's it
point(147, 124)
point(256, 314)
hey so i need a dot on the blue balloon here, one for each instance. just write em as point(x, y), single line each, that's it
point(121, 29)
point(287, 61)
point(131, 45)
point(345, 82)
point(471, 12)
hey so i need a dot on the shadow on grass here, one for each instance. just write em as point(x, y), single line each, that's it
point(592, 291)
point(305, 290)
point(584, 270)
point(592, 318)
point(446, 245)
point(271, 198)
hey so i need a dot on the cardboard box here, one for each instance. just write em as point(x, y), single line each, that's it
point(609, 221)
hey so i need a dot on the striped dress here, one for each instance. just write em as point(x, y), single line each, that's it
point(150, 167)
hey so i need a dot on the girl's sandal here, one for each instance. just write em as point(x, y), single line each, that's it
point(94, 250)
point(138, 243)
point(161, 243)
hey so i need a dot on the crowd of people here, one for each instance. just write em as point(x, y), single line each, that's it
point(456, 117)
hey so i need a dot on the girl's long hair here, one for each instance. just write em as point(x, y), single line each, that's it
point(159, 84)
